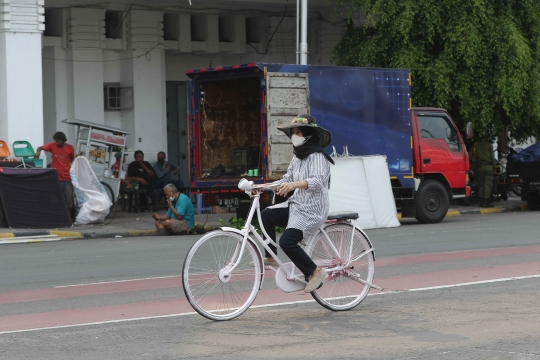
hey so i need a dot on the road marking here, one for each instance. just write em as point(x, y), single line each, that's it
point(271, 305)
point(116, 281)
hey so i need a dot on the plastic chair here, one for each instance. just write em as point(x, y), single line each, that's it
point(4, 150)
point(23, 149)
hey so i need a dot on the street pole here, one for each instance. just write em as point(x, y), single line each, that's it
point(297, 32)
point(303, 40)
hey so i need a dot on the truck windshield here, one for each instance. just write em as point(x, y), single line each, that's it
point(438, 127)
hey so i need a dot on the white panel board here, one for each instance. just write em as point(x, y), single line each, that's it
point(362, 184)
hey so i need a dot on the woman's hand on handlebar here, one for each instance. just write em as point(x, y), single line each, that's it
point(285, 188)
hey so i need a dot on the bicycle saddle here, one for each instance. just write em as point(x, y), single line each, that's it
point(344, 215)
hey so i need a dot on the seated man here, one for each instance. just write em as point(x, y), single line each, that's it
point(162, 172)
point(180, 215)
point(140, 172)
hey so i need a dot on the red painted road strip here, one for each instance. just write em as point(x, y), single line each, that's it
point(461, 255)
point(157, 308)
point(176, 281)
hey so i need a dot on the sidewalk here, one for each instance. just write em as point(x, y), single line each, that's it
point(123, 225)
point(141, 224)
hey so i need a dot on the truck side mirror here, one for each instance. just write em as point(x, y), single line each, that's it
point(470, 132)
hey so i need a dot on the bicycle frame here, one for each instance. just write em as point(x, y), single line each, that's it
point(248, 228)
point(246, 231)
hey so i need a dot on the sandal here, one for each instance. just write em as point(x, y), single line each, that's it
point(316, 282)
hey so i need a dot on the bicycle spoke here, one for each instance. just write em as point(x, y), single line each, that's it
point(342, 292)
point(209, 292)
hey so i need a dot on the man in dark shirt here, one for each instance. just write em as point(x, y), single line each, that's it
point(162, 172)
point(141, 172)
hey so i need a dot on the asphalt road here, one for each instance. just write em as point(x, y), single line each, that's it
point(467, 288)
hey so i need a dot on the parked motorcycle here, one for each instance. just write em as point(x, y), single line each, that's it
point(506, 156)
point(500, 181)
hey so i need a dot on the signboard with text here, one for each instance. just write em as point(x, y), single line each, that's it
point(107, 138)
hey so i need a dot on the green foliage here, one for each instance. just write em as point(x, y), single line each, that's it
point(479, 59)
point(238, 223)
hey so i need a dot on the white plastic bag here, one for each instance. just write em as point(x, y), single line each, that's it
point(93, 203)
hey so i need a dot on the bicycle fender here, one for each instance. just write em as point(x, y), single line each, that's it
point(369, 241)
point(230, 229)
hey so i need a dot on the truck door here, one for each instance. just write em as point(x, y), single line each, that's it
point(286, 97)
point(441, 148)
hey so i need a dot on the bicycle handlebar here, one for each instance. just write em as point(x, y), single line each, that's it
point(248, 186)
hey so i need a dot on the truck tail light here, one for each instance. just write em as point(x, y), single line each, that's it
point(467, 179)
point(515, 180)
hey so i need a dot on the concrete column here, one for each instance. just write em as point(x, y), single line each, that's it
point(85, 82)
point(21, 94)
point(147, 121)
point(55, 94)
point(85, 40)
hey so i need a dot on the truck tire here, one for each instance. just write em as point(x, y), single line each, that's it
point(431, 202)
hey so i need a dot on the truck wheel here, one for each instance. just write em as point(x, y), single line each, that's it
point(431, 202)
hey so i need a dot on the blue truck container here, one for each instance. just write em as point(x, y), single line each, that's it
point(234, 112)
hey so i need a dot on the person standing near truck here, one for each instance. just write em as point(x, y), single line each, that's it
point(306, 210)
point(62, 156)
point(484, 161)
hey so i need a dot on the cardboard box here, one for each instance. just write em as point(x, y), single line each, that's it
point(220, 210)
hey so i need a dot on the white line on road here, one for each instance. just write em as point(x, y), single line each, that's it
point(273, 305)
point(117, 281)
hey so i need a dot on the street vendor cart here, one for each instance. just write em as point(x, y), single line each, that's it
point(98, 143)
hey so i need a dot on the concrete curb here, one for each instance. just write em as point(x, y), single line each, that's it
point(484, 211)
point(33, 236)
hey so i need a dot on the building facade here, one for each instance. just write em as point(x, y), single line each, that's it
point(123, 64)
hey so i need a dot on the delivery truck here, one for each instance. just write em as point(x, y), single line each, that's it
point(234, 112)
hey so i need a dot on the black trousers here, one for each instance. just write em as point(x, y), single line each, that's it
point(288, 241)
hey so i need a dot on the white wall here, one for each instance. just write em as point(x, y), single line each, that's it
point(21, 96)
point(74, 88)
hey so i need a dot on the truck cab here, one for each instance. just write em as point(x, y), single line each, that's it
point(441, 165)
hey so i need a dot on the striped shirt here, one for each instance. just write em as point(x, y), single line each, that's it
point(308, 208)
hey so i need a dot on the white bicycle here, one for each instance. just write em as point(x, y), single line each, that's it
point(224, 270)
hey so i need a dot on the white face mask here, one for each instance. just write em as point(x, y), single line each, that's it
point(299, 140)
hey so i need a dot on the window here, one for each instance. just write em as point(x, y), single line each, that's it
point(118, 97)
point(113, 24)
point(437, 127)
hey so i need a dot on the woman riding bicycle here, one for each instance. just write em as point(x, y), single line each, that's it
point(306, 210)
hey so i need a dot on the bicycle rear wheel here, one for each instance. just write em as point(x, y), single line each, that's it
point(342, 290)
point(211, 294)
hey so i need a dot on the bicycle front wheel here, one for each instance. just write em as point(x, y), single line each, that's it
point(343, 290)
point(212, 293)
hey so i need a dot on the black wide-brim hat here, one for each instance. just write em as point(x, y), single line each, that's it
point(305, 120)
